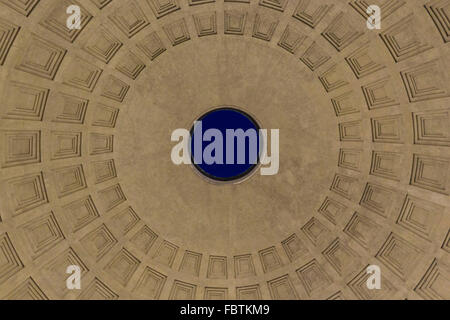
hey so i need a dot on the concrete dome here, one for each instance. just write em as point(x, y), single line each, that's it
point(86, 175)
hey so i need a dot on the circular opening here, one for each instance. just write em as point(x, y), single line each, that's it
point(225, 144)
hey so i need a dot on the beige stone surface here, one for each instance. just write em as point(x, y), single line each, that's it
point(85, 171)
